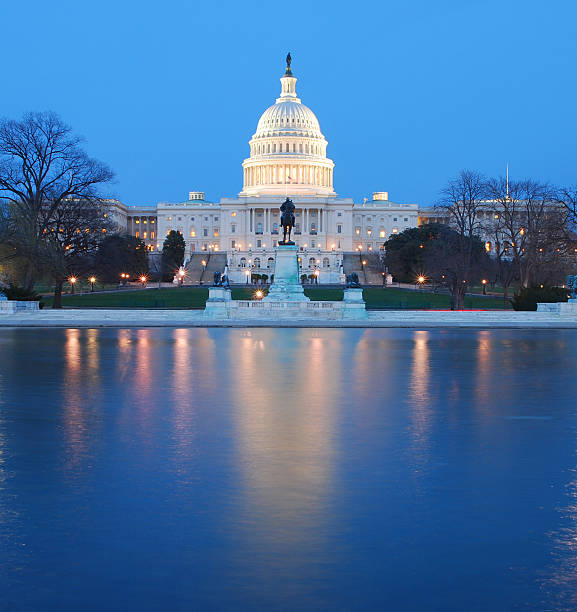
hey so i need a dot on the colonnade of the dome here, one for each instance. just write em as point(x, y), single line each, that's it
point(288, 174)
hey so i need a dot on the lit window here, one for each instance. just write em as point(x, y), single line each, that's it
point(137, 234)
point(357, 230)
point(192, 233)
point(138, 220)
point(152, 235)
point(170, 219)
point(144, 235)
point(395, 230)
point(382, 234)
point(488, 247)
point(216, 233)
point(233, 214)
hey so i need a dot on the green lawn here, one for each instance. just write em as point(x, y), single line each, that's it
point(195, 297)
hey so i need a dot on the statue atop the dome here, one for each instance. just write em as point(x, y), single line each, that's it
point(289, 59)
point(287, 220)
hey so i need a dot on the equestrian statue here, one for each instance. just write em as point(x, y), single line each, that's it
point(287, 220)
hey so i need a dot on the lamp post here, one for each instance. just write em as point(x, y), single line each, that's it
point(143, 280)
point(421, 280)
point(484, 282)
point(247, 274)
point(92, 280)
point(72, 281)
point(316, 273)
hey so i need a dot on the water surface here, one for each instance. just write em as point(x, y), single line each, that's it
point(288, 469)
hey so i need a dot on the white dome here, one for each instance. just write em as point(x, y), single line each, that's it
point(290, 118)
point(288, 149)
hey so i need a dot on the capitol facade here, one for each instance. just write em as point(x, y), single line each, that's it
point(288, 158)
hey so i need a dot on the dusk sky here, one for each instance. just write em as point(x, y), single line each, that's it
point(407, 93)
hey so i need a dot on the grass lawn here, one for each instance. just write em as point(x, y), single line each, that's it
point(195, 297)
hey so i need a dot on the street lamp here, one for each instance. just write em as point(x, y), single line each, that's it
point(181, 274)
point(92, 280)
point(143, 280)
point(484, 282)
point(247, 273)
point(316, 273)
point(259, 294)
point(72, 281)
point(421, 279)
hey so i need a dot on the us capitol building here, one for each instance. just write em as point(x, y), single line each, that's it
point(288, 157)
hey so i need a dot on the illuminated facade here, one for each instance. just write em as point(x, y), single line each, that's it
point(288, 157)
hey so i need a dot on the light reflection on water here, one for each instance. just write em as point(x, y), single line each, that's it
point(283, 469)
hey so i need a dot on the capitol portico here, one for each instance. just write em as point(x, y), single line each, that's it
point(288, 157)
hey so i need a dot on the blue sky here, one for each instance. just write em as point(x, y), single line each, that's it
point(407, 92)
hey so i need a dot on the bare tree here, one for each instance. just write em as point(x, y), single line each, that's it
point(42, 169)
point(527, 224)
point(567, 197)
point(462, 200)
point(70, 241)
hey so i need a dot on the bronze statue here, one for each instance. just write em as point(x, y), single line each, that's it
point(287, 220)
point(353, 281)
point(289, 59)
point(220, 280)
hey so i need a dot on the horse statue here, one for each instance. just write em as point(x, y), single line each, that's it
point(571, 284)
point(287, 220)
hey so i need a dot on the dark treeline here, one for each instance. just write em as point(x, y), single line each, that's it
point(515, 233)
point(53, 219)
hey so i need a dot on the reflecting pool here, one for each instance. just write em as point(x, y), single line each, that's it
point(288, 469)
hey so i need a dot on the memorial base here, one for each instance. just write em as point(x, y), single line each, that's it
point(218, 303)
point(286, 286)
point(17, 306)
point(561, 308)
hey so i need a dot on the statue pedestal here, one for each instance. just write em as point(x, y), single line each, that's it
point(354, 304)
point(217, 305)
point(17, 307)
point(286, 286)
point(560, 308)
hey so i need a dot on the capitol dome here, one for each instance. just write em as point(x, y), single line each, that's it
point(288, 149)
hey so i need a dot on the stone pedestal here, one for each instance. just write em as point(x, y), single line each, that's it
point(286, 286)
point(218, 302)
point(17, 306)
point(561, 308)
point(354, 304)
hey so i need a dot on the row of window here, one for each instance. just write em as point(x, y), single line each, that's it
point(215, 218)
point(262, 149)
point(313, 263)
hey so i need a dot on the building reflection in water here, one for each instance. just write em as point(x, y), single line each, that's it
point(287, 388)
point(193, 380)
point(420, 398)
point(80, 383)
